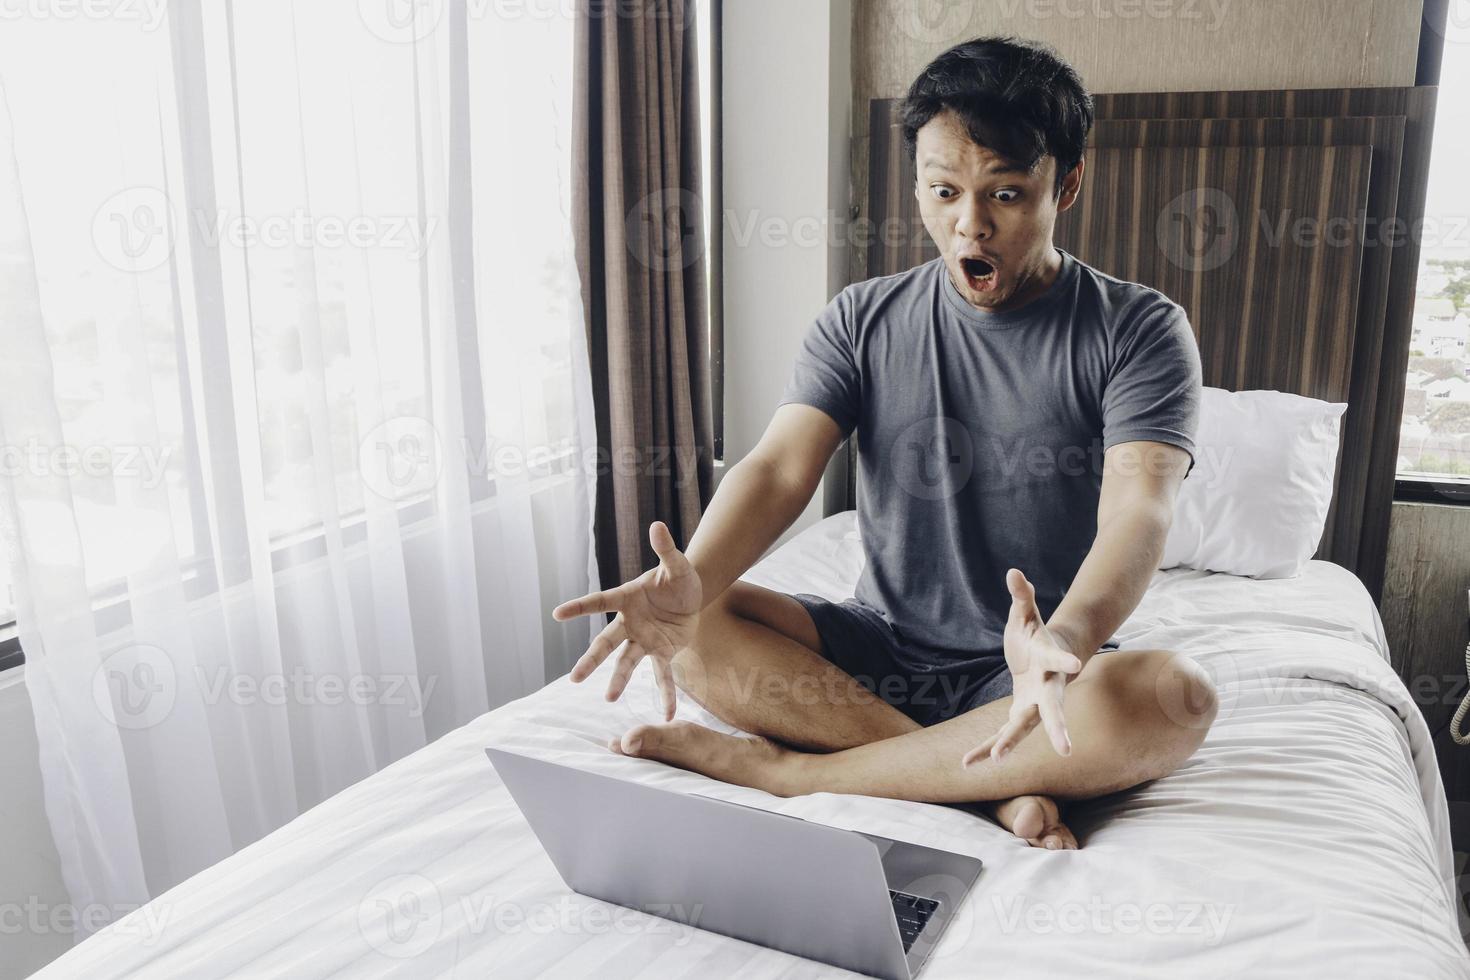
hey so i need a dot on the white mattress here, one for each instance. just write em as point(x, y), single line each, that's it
point(1307, 837)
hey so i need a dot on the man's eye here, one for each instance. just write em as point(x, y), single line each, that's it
point(942, 192)
point(1015, 194)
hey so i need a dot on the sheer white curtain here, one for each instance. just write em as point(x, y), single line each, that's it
point(294, 403)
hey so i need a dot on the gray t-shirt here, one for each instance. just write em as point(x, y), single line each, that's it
point(980, 435)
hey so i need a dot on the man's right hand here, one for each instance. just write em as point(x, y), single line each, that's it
point(657, 614)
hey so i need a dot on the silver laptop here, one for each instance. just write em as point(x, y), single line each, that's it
point(854, 900)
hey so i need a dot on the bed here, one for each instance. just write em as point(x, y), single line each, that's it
point(1307, 837)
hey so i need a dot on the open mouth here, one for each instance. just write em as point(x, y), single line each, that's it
point(979, 274)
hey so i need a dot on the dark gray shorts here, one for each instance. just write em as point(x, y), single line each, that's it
point(927, 685)
point(927, 688)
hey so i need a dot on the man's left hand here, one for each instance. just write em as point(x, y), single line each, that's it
point(1041, 665)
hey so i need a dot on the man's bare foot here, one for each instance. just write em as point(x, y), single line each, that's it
point(744, 760)
point(763, 764)
point(1036, 820)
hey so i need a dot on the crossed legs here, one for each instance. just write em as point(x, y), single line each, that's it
point(1133, 715)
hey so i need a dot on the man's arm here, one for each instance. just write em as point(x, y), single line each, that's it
point(762, 495)
point(658, 612)
point(1134, 512)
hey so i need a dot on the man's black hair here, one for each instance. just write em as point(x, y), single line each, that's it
point(1017, 98)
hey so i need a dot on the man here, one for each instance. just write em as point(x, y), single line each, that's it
point(1024, 422)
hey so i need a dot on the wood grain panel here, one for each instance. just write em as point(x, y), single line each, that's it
point(1342, 533)
point(1208, 227)
point(1383, 355)
point(1425, 616)
point(1268, 315)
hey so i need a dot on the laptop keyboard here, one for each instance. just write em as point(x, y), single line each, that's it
point(913, 914)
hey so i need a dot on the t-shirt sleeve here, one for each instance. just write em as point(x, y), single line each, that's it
point(825, 375)
point(1153, 389)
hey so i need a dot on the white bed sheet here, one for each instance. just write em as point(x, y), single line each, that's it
point(1307, 837)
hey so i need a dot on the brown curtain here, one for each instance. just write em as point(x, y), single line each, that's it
point(638, 223)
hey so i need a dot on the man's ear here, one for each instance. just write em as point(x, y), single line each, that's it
point(1071, 186)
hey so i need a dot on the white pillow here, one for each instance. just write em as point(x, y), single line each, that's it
point(1256, 501)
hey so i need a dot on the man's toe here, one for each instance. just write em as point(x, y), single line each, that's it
point(1058, 837)
point(1051, 833)
point(1023, 816)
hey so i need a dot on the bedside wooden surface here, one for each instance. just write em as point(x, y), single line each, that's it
point(1428, 624)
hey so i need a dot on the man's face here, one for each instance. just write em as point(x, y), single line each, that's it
point(992, 221)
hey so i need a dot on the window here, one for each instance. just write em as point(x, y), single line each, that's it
point(1434, 437)
point(300, 234)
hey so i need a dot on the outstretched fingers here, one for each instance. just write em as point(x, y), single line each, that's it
point(662, 540)
point(663, 670)
point(627, 662)
point(602, 646)
point(1055, 724)
point(674, 561)
point(1010, 734)
point(1047, 713)
point(1053, 659)
point(1023, 596)
point(608, 600)
point(980, 751)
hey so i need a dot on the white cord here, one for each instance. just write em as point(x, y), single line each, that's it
point(1461, 739)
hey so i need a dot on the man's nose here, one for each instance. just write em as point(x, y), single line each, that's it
point(974, 221)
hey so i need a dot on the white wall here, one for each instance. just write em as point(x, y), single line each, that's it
point(787, 99)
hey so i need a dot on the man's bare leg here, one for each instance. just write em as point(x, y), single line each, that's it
point(755, 665)
point(1133, 715)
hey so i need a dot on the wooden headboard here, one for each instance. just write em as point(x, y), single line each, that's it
point(1268, 216)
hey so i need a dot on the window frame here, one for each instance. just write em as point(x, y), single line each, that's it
point(1431, 489)
point(289, 549)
